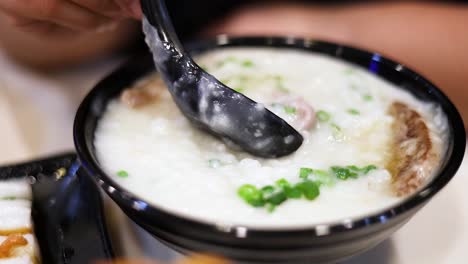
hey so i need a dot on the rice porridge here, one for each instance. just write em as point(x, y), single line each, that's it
point(358, 156)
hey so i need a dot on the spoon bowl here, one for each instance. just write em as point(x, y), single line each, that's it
point(208, 103)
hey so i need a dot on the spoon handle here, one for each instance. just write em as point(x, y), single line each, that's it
point(174, 64)
point(208, 103)
point(156, 13)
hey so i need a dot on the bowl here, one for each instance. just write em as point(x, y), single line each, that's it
point(322, 243)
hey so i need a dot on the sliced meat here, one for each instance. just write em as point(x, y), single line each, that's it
point(143, 93)
point(412, 159)
point(305, 114)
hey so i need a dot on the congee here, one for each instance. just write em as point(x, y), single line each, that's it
point(367, 144)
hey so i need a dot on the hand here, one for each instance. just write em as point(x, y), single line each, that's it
point(49, 17)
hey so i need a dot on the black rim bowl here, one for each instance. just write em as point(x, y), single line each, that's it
point(319, 243)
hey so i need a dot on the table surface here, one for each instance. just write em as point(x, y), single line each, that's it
point(36, 117)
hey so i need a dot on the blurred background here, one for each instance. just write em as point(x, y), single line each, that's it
point(48, 62)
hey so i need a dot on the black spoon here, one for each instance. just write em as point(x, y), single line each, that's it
point(208, 103)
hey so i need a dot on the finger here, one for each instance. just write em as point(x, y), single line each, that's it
point(106, 8)
point(34, 26)
point(78, 18)
point(40, 28)
point(131, 7)
point(63, 13)
point(10, 19)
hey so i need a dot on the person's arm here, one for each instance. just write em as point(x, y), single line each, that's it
point(53, 41)
point(430, 38)
point(57, 33)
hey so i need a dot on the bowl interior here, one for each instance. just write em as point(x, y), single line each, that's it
point(95, 104)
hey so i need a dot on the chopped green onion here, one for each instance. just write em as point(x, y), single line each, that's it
point(282, 88)
point(354, 168)
point(277, 105)
point(321, 173)
point(286, 108)
point(343, 173)
point(251, 195)
point(271, 208)
point(239, 89)
point(353, 111)
point(323, 116)
point(292, 192)
point(247, 63)
point(282, 183)
point(122, 174)
point(323, 177)
point(214, 163)
point(349, 71)
point(242, 78)
point(271, 196)
point(352, 171)
point(305, 172)
point(276, 198)
point(368, 168)
point(277, 77)
point(289, 109)
point(280, 83)
point(310, 189)
point(267, 190)
point(244, 63)
point(336, 131)
point(335, 127)
point(363, 170)
point(226, 60)
point(367, 97)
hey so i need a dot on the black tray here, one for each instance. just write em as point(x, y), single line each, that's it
point(68, 218)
